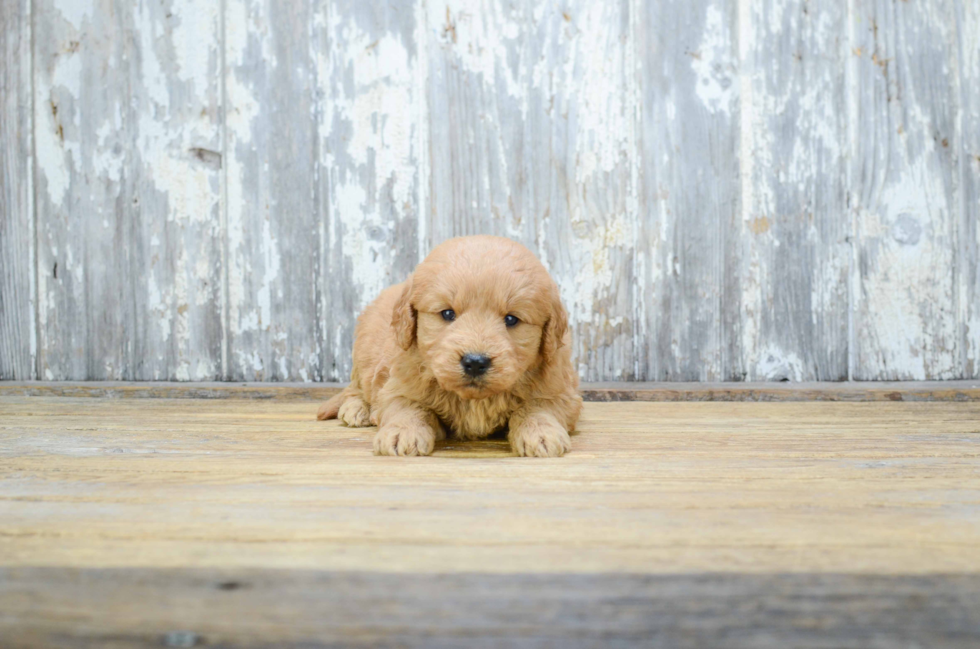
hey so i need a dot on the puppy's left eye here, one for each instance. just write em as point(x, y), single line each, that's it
point(448, 315)
point(511, 320)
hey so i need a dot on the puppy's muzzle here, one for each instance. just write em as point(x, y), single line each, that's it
point(475, 365)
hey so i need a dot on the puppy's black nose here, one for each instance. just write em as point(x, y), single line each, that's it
point(475, 364)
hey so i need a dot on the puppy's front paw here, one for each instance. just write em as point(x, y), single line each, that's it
point(404, 439)
point(540, 437)
point(355, 413)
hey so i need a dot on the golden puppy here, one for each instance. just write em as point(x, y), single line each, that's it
point(475, 341)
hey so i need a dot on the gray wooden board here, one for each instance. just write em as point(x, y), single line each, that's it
point(902, 189)
point(127, 110)
point(272, 217)
point(370, 171)
point(577, 164)
point(86, 201)
point(792, 238)
point(687, 273)
point(17, 326)
point(178, 271)
point(61, 607)
point(968, 143)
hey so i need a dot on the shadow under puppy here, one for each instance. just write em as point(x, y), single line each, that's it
point(475, 341)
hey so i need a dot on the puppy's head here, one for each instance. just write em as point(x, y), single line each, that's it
point(482, 311)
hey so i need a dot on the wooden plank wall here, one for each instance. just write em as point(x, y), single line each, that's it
point(724, 189)
point(18, 342)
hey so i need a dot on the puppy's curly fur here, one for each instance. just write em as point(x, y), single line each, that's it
point(409, 377)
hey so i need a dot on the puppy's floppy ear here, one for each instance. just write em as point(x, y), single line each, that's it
point(403, 317)
point(555, 328)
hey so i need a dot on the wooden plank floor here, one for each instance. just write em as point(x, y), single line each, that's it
point(177, 522)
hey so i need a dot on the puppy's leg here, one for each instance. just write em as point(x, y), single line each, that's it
point(406, 428)
point(329, 409)
point(535, 431)
point(354, 412)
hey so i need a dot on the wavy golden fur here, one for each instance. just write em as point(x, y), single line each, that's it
point(409, 377)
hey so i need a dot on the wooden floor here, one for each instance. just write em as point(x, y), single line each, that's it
point(178, 522)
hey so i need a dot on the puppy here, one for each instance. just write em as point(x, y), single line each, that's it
point(474, 342)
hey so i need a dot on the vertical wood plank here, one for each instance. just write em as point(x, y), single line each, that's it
point(903, 191)
point(17, 326)
point(126, 125)
point(370, 103)
point(578, 157)
point(968, 143)
point(85, 191)
point(531, 138)
point(688, 274)
point(475, 94)
point(177, 127)
point(792, 239)
point(272, 217)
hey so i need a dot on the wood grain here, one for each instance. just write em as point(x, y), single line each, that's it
point(578, 162)
point(18, 345)
point(292, 609)
point(903, 193)
point(273, 220)
point(792, 240)
point(85, 192)
point(610, 391)
point(177, 113)
point(686, 273)
point(650, 488)
point(130, 523)
point(370, 171)
point(968, 141)
point(127, 110)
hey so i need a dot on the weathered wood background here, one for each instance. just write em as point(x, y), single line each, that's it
point(725, 190)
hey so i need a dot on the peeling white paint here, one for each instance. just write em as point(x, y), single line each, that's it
point(907, 209)
point(195, 53)
point(751, 288)
point(595, 272)
point(602, 138)
point(270, 264)
point(183, 371)
point(713, 63)
point(166, 135)
point(58, 154)
point(421, 117)
point(481, 38)
point(571, 63)
point(380, 115)
point(241, 111)
point(909, 250)
point(774, 364)
point(251, 360)
point(75, 11)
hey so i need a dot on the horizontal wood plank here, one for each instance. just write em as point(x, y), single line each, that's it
point(292, 609)
point(636, 391)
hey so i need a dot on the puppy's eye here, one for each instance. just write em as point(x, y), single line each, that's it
point(448, 315)
point(511, 320)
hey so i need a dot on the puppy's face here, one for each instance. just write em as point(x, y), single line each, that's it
point(482, 311)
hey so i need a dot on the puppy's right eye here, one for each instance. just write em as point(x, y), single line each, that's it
point(448, 315)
